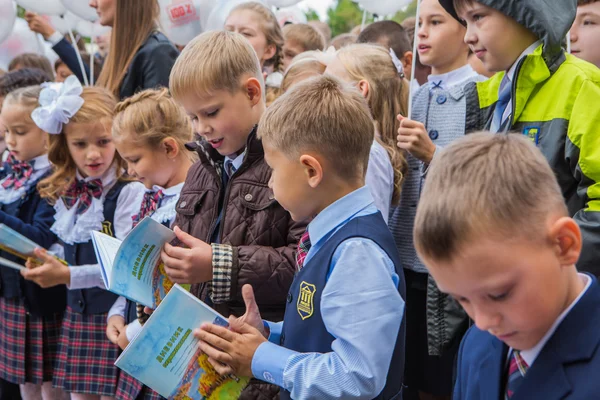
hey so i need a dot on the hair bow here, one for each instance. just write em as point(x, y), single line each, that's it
point(326, 57)
point(58, 104)
point(397, 63)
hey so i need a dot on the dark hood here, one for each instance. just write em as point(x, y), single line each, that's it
point(550, 20)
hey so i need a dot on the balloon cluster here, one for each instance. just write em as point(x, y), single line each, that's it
point(384, 7)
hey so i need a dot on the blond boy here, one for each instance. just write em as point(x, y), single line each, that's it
point(298, 39)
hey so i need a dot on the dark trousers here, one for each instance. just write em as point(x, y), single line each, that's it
point(9, 391)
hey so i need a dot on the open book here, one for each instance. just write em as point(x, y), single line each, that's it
point(133, 268)
point(18, 245)
point(165, 354)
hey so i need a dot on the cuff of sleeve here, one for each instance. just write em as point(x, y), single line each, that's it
point(275, 329)
point(133, 329)
point(269, 361)
point(118, 308)
point(425, 167)
point(55, 38)
point(78, 275)
point(222, 263)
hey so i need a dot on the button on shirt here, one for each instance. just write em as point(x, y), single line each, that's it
point(359, 362)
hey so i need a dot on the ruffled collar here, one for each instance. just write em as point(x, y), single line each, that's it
point(40, 165)
point(72, 228)
point(166, 212)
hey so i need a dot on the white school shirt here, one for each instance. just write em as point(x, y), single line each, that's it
point(452, 78)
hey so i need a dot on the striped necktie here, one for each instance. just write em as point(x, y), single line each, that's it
point(302, 250)
point(516, 373)
point(501, 104)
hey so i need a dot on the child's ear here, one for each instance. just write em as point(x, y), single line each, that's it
point(566, 236)
point(407, 60)
point(170, 147)
point(364, 88)
point(312, 170)
point(254, 90)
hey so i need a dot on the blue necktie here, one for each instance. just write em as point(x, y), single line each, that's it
point(503, 100)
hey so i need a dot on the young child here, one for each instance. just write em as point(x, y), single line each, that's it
point(235, 231)
point(348, 290)
point(304, 66)
point(438, 118)
point(586, 31)
point(298, 39)
point(522, 42)
point(390, 35)
point(150, 131)
point(373, 70)
point(509, 260)
point(90, 193)
point(30, 317)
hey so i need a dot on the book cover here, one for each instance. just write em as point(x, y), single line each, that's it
point(18, 245)
point(165, 354)
point(133, 267)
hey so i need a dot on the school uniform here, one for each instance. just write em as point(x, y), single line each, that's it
point(348, 296)
point(30, 317)
point(562, 365)
point(159, 204)
point(86, 357)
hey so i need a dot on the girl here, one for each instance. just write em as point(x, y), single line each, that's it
point(372, 69)
point(150, 132)
point(145, 56)
point(89, 193)
point(30, 317)
point(304, 66)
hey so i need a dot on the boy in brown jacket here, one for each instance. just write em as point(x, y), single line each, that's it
point(233, 230)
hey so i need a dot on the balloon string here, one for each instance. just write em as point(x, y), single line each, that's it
point(92, 58)
point(414, 61)
point(569, 42)
point(364, 20)
point(74, 44)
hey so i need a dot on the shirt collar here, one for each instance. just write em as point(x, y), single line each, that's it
point(172, 191)
point(510, 75)
point(236, 162)
point(338, 213)
point(530, 355)
point(452, 78)
point(108, 178)
point(40, 162)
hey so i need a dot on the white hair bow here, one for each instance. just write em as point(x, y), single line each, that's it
point(58, 104)
point(397, 63)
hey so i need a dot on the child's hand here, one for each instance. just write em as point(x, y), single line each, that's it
point(122, 340)
point(252, 316)
point(413, 137)
point(230, 351)
point(116, 325)
point(192, 265)
point(51, 273)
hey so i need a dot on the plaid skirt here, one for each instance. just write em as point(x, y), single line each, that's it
point(28, 343)
point(130, 388)
point(85, 359)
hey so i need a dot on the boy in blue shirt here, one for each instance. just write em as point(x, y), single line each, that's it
point(343, 333)
point(510, 262)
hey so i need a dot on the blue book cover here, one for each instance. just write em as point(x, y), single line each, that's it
point(165, 354)
point(133, 267)
point(18, 245)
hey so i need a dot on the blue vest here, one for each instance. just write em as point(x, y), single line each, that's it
point(38, 301)
point(310, 334)
point(93, 300)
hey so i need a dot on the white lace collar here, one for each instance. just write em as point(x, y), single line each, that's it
point(72, 228)
point(40, 167)
point(167, 212)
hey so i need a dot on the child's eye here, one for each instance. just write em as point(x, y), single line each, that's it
point(436, 22)
point(133, 161)
point(588, 22)
point(477, 17)
point(499, 297)
point(104, 142)
point(212, 113)
point(79, 144)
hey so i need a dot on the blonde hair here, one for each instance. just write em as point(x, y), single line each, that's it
point(98, 107)
point(151, 116)
point(27, 97)
point(387, 97)
point(484, 185)
point(135, 20)
point(270, 28)
point(305, 35)
point(212, 61)
point(326, 116)
point(301, 69)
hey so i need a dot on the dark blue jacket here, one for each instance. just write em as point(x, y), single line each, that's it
point(566, 367)
point(67, 54)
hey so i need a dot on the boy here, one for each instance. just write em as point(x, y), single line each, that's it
point(298, 39)
point(585, 32)
point(541, 92)
point(342, 335)
point(510, 262)
point(390, 35)
point(435, 323)
point(234, 230)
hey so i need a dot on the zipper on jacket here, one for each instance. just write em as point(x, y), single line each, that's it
point(514, 92)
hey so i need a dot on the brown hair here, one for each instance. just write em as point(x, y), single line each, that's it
point(326, 116)
point(322, 27)
point(394, 35)
point(31, 60)
point(301, 69)
point(343, 40)
point(151, 116)
point(98, 106)
point(270, 28)
point(584, 2)
point(460, 5)
point(305, 35)
point(26, 96)
point(388, 97)
point(484, 185)
point(135, 20)
point(214, 60)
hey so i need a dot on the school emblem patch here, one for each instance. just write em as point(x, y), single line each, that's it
point(533, 133)
point(305, 300)
point(107, 228)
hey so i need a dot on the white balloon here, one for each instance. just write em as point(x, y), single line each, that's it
point(384, 7)
point(282, 3)
point(181, 20)
point(90, 29)
point(293, 15)
point(21, 40)
point(217, 17)
point(81, 8)
point(9, 14)
point(44, 7)
point(64, 22)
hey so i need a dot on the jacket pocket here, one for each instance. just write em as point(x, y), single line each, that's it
point(256, 198)
point(189, 203)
